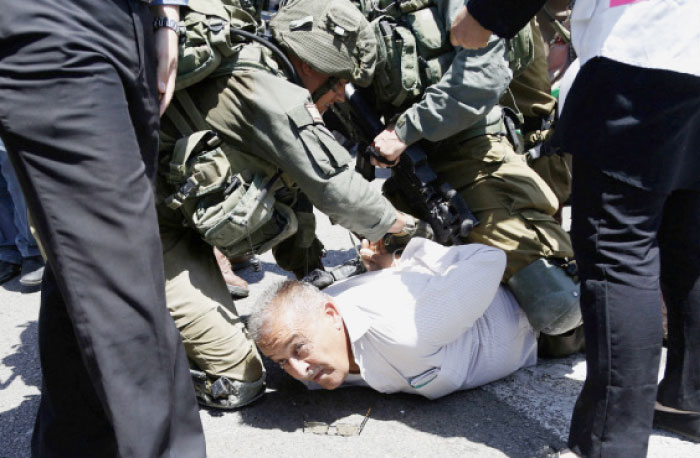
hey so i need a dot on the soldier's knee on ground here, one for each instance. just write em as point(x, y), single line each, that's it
point(549, 295)
point(231, 387)
point(224, 392)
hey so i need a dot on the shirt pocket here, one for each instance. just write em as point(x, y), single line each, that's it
point(424, 379)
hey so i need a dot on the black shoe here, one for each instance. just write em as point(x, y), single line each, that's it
point(683, 424)
point(8, 270)
point(32, 271)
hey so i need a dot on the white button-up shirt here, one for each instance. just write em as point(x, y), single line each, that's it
point(660, 34)
point(437, 322)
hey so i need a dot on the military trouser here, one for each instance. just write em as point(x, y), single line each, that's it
point(530, 93)
point(512, 202)
point(302, 252)
point(215, 338)
point(555, 170)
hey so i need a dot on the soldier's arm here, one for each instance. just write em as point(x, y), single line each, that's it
point(468, 90)
point(292, 136)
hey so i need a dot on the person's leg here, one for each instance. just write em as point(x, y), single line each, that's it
point(66, 387)
point(680, 282)
point(513, 204)
point(84, 163)
point(10, 257)
point(26, 245)
point(614, 229)
point(32, 264)
point(215, 338)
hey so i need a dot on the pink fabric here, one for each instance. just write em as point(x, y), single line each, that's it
point(614, 3)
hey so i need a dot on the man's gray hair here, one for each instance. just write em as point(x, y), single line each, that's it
point(292, 301)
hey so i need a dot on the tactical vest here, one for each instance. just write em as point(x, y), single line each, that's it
point(237, 213)
point(208, 41)
point(415, 50)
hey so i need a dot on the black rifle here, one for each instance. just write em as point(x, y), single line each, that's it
point(437, 204)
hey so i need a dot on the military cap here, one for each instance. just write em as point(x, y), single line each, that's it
point(333, 37)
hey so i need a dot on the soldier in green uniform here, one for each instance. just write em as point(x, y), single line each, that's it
point(446, 99)
point(530, 94)
point(279, 161)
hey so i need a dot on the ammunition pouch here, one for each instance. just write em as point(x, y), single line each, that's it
point(521, 50)
point(396, 79)
point(549, 296)
point(235, 213)
point(208, 41)
point(414, 49)
point(246, 221)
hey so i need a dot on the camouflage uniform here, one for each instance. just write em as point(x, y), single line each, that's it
point(458, 121)
point(267, 123)
point(530, 93)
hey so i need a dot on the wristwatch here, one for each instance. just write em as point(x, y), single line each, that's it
point(161, 21)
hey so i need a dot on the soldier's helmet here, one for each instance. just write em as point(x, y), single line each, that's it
point(333, 37)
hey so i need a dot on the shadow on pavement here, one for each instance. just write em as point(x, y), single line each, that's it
point(13, 285)
point(16, 424)
point(461, 414)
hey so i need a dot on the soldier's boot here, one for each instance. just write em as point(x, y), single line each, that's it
point(235, 284)
point(224, 393)
point(227, 393)
point(301, 253)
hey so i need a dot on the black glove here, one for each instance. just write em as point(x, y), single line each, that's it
point(322, 279)
point(414, 228)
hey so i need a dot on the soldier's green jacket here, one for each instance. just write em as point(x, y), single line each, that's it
point(466, 98)
point(268, 122)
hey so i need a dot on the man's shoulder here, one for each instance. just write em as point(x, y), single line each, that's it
point(272, 92)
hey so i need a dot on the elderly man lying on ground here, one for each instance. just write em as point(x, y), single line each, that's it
point(434, 321)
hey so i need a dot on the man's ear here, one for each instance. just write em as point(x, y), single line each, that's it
point(305, 68)
point(332, 312)
point(302, 68)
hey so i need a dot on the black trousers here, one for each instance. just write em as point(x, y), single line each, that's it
point(79, 116)
point(635, 135)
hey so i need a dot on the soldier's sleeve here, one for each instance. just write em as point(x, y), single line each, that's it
point(297, 142)
point(468, 90)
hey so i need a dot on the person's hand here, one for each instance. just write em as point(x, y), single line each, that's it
point(166, 53)
point(389, 145)
point(467, 32)
point(374, 255)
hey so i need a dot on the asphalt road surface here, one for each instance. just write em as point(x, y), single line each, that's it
point(524, 415)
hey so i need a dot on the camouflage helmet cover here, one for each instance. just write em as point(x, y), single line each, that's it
point(333, 37)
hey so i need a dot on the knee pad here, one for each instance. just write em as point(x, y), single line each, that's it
point(548, 296)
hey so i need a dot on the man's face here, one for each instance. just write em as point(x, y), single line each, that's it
point(336, 94)
point(315, 351)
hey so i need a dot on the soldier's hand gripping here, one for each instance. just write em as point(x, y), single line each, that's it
point(467, 32)
point(414, 227)
point(389, 145)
